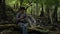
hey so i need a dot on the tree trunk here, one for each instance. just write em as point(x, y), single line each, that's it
point(0, 8)
point(3, 17)
point(48, 14)
point(55, 17)
point(3, 8)
point(21, 2)
point(36, 12)
point(36, 7)
point(0, 2)
point(0, 5)
point(42, 11)
point(31, 10)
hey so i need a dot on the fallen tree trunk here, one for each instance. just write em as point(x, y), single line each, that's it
point(14, 26)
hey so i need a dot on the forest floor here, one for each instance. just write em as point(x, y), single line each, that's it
point(35, 30)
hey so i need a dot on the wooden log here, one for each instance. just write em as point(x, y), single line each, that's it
point(35, 28)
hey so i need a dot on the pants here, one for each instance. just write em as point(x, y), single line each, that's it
point(23, 27)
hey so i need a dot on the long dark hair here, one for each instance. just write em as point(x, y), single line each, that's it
point(21, 8)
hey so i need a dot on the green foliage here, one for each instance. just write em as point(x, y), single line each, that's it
point(27, 3)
